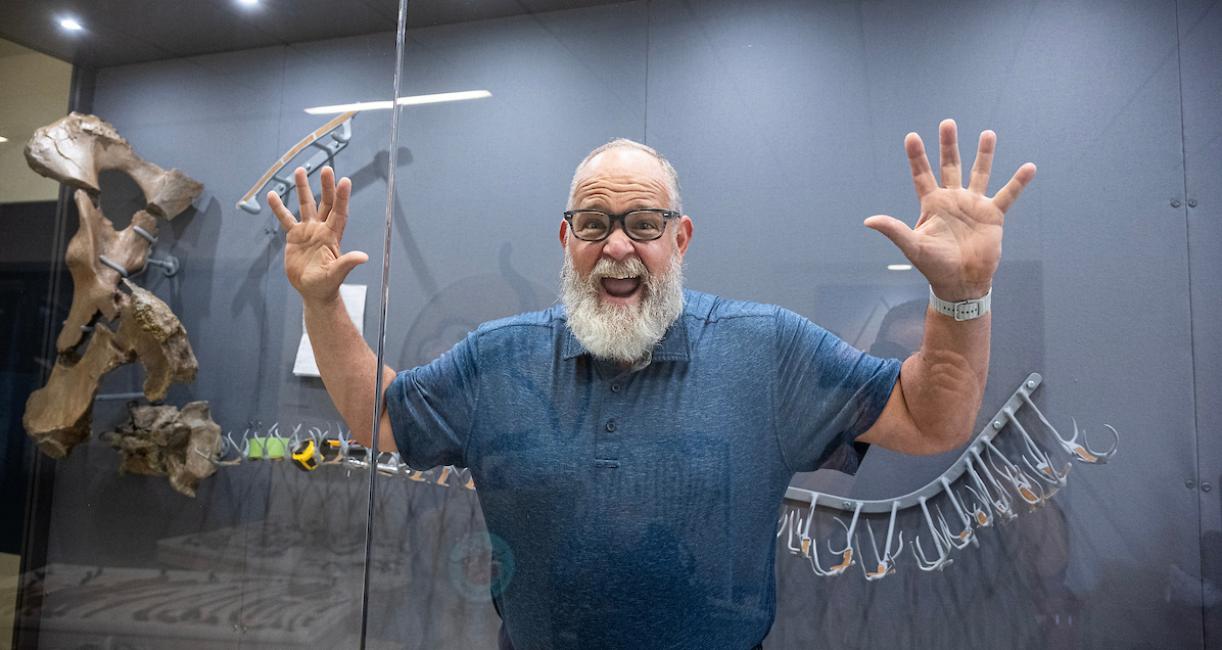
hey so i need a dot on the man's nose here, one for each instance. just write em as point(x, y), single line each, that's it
point(618, 246)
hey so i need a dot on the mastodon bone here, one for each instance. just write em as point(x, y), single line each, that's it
point(94, 284)
point(158, 340)
point(75, 149)
point(59, 415)
point(164, 441)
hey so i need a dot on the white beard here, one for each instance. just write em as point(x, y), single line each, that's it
point(621, 332)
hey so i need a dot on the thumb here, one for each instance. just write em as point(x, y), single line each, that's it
point(897, 231)
point(344, 264)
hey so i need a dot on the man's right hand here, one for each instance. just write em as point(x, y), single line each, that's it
point(312, 259)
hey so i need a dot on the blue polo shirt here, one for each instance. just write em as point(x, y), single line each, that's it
point(638, 508)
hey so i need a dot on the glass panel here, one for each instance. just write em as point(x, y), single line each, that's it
point(1200, 26)
point(567, 475)
point(36, 92)
point(264, 549)
point(651, 493)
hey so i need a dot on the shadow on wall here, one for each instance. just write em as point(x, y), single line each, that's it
point(466, 303)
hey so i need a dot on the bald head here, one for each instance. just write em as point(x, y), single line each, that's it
point(627, 157)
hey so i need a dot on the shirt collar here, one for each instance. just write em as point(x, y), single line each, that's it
point(672, 347)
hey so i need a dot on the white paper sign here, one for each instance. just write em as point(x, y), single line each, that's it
point(353, 296)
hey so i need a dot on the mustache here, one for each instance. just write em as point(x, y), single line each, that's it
point(607, 268)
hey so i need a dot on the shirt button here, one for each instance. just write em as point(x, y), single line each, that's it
point(610, 425)
point(615, 388)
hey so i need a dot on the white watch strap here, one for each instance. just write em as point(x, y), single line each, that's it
point(964, 309)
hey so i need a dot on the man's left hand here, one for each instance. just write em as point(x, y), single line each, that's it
point(956, 243)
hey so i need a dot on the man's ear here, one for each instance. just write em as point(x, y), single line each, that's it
point(564, 233)
point(684, 236)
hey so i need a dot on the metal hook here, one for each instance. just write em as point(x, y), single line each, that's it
point(846, 553)
point(809, 549)
point(1082, 451)
point(959, 540)
point(886, 560)
point(1042, 467)
point(923, 561)
point(1023, 484)
point(806, 543)
point(1002, 504)
point(979, 511)
point(964, 536)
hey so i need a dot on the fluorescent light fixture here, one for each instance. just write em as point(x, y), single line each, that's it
point(899, 267)
point(71, 24)
point(413, 100)
point(3, 139)
point(248, 3)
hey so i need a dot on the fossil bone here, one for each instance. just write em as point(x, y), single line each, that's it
point(75, 149)
point(164, 441)
point(58, 415)
point(94, 281)
point(158, 340)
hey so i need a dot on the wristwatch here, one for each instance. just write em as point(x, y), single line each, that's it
point(964, 309)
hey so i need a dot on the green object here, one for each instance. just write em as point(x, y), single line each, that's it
point(268, 448)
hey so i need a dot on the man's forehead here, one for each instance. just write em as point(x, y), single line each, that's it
point(623, 165)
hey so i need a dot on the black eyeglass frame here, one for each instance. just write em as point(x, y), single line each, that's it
point(667, 215)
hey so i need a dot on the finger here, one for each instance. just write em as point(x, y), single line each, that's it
point(328, 192)
point(922, 176)
point(983, 166)
point(305, 197)
point(344, 264)
point(338, 219)
point(948, 136)
point(282, 213)
point(1007, 195)
point(897, 231)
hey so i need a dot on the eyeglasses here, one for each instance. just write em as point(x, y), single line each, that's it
point(645, 224)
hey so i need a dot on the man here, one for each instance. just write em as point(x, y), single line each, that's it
point(631, 446)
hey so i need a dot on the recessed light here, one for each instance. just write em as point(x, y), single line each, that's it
point(71, 24)
point(899, 267)
point(413, 100)
point(248, 3)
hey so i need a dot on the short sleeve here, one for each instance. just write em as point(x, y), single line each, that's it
point(828, 392)
point(432, 406)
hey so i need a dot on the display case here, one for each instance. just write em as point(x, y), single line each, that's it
point(186, 479)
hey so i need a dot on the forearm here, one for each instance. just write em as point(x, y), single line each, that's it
point(943, 382)
point(348, 368)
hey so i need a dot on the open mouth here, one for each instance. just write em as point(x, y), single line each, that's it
point(621, 287)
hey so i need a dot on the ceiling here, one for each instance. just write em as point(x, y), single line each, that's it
point(118, 32)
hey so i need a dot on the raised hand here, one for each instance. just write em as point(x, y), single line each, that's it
point(956, 243)
point(312, 259)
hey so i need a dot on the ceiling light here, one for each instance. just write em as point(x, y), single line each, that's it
point(899, 267)
point(3, 139)
point(413, 100)
point(71, 24)
point(248, 3)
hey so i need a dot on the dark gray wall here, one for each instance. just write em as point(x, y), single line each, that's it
point(785, 120)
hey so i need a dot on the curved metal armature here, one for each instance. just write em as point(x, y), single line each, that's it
point(978, 488)
point(314, 447)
